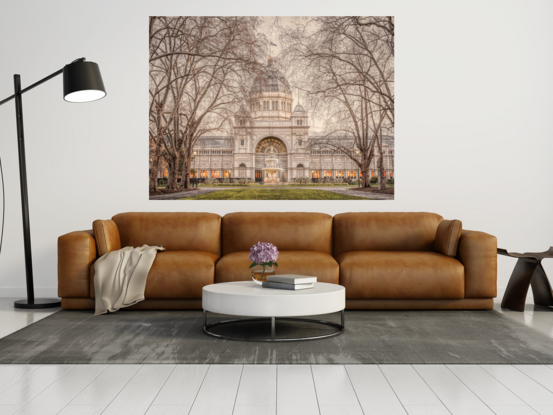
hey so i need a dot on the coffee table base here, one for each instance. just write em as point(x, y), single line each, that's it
point(340, 328)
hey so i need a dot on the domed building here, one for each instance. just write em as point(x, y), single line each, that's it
point(278, 127)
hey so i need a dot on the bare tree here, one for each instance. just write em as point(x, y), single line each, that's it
point(161, 81)
point(201, 65)
point(345, 68)
point(365, 45)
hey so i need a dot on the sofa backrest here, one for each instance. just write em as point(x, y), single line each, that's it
point(385, 231)
point(288, 231)
point(181, 231)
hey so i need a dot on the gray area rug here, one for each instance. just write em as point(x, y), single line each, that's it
point(370, 337)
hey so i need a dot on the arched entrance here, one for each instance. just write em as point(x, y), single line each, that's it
point(300, 171)
point(266, 146)
point(242, 171)
point(269, 142)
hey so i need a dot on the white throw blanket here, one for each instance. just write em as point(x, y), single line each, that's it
point(120, 277)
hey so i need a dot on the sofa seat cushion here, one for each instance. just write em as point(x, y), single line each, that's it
point(401, 275)
point(234, 266)
point(178, 274)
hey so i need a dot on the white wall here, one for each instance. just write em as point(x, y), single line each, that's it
point(474, 128)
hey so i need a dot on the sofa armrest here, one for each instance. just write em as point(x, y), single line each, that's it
point(478, 253)
point(76, 253)
point(107, 237)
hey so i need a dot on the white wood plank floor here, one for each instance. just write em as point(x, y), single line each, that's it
point(275, 389)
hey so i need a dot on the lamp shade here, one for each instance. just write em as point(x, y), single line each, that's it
point(82, 82)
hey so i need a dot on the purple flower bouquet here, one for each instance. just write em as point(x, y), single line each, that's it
point(264, 254)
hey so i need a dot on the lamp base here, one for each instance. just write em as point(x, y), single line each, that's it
point(38, 303)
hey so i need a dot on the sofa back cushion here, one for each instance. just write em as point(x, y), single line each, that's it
point(385, 231)
point(181, 231)
point(288, 231)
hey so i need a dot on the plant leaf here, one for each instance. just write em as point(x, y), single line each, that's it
point(253, 264)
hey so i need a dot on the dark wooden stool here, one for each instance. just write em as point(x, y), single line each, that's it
point(528, 270)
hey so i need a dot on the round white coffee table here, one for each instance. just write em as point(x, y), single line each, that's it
point(245, 298)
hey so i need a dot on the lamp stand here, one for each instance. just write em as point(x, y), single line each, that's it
point(31, 301)
point(82, 82)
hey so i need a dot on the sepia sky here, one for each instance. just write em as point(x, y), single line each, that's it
point(271, 31)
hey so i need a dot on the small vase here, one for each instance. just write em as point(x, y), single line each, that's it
point(257, 273)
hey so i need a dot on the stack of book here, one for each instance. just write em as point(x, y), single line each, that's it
point(289, 282)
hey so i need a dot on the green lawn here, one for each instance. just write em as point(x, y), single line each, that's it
point(273, 194)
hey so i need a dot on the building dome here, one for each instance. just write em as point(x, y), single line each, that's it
point(299, 108)
point(271, 81)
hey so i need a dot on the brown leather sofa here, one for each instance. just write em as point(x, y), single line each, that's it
point(385, 260)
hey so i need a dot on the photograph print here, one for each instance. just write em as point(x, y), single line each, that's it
point(271, 108)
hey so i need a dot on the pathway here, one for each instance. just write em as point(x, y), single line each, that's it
point(336, 189)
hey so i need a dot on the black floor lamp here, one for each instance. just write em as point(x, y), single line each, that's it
point(82, 82)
